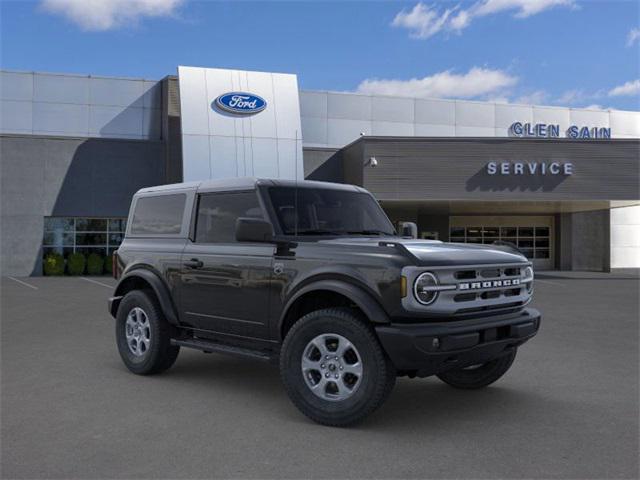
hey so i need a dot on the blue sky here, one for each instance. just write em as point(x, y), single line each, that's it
point(559, 52)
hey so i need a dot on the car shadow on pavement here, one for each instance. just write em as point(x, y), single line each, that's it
point(243, 376)
point(428, 402)
point(414, 403)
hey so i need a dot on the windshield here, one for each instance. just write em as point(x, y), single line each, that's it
point(323, 211)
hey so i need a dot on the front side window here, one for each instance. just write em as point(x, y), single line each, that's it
point(323, 211)
point(218, 212)
point(159, 215)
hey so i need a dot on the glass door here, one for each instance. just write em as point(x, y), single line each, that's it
point(532, 235)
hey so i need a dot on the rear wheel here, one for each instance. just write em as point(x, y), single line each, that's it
point(333, 367)
point(479, 376)
point(143, 335)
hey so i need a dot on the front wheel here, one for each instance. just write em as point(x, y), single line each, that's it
point(479, 376)
point(333, 367)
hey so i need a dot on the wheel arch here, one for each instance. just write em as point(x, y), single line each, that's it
point(326, 293)
point(143, 279)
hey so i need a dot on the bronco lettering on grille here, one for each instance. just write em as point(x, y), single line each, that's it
point(488, 284)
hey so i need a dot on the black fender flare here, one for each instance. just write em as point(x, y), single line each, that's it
point(364, 300)
point(157, 285)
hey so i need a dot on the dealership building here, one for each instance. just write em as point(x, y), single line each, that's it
point(561, 183)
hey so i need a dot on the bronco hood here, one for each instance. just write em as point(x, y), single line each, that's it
point(436, 253)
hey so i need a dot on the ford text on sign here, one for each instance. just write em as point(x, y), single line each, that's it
point(240, 103)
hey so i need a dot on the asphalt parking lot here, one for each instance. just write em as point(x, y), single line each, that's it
point(567, 409)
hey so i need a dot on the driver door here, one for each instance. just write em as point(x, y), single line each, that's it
point(225, 284)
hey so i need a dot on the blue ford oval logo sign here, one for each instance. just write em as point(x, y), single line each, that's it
point(240, 103)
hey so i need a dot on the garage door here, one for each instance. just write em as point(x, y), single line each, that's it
point(533, 235)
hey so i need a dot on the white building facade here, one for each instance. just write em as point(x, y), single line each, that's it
point(62, 136)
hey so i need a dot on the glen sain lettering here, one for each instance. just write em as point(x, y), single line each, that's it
point(529, 168)
point(544, 130)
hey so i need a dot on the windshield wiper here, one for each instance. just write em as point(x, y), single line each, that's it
point(318, 232)
point(368, 232)
point(340, 232)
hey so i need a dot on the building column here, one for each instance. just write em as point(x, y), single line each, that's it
point(584, 241)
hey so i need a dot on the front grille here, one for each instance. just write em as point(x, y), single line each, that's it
point(495, 272)
point(465, 275)
point(465, 297)
point(488, 284)
point(490, 294)
point(490, 308)
point(470, 290)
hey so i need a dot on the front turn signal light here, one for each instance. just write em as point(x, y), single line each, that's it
point(403, 286)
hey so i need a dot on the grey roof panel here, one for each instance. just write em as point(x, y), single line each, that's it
point(226, 184)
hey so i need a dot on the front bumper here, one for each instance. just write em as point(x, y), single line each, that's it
point(429, 348)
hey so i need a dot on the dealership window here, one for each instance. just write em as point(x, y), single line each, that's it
point(532, 241)
point(65, 235)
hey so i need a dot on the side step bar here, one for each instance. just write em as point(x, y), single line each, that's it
point(208, 346)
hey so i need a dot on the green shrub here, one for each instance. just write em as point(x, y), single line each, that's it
point(76, 263)
point(94, 264)
point(53, 264)
point(108, 264)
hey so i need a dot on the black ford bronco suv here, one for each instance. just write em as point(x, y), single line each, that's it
point(313, 275)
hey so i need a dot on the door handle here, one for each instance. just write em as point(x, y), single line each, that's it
point(194, 263)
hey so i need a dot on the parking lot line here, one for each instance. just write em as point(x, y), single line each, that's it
point(23, 283)
point(96, 282)
point(549, 282)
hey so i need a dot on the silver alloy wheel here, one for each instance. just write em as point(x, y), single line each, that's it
point(332, 367)
point(138, 331)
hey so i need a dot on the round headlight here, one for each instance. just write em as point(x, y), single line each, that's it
point(528, 278)
point(424, 290)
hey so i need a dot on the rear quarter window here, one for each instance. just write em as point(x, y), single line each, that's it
point(158, 215)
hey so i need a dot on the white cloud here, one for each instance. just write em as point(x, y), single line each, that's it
point(497, 86)
point(538, 97)
point(524, 8)
point(423, 21)
point(633, 36)
point(100, 15)
point(571, 97)
point(631, 87)
point(498, 99)
point(475, 83)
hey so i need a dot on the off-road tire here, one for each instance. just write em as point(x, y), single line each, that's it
point(161, 354)
point(480, 377)
point(378, 376)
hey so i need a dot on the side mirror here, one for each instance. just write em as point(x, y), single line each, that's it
point(253, 230)
point(408, 229)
